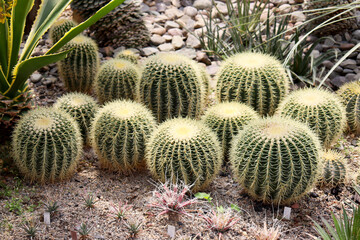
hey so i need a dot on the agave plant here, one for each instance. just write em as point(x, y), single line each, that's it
point(16, 66)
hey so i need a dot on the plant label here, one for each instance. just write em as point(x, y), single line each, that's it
point(47, 218)
point(171, 231)
point(73, 235)
point(287, 213)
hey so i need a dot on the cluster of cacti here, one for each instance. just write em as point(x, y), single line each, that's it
point(119, 132)
point(257, 79)
point(275, 159)
point(171, 86)
point(227, 119)
point(47, 145)
point(81, 107)
point(116, 79)
point(127, 55)
point(59, 28)
point(184, 150)
point(325, 10)
point(123, 26)
point(320, 109)
point(334, 169)
point(350, 96)
point(79, 68)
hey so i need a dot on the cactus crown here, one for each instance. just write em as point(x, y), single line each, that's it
point(186, 150)
point(350, 96)
point(257, 79)
point(127, 55)
point(59, 28)
point(47, 145)
point(119, 132)
point(171, 86)
point(275, 159)
point(320, 109)
point(334, 168)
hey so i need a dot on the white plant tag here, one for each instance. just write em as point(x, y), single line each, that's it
point(287, 212)
point(171, 231)
point(47, 218)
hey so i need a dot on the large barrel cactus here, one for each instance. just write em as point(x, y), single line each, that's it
point(257, 79)
point(116, 79)
point(127, 55)
point(171, 86)
point(184, 150)
point(275, 159)
point(47, 145)
point(227, 119)
point(320, 109)
point(119, 132)
point(79, 68)
point(59, 28)
point(334, 168)
point(81, 107)
point(350, 96)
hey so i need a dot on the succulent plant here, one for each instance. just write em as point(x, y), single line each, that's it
point(171, 87)
point(184, 150)
point(227, 119)
point(205, 78)
point(59, 28)
point(79, 68)
point(276, 160)
point(47, 145)
point(334, 169)
point(350, 96)
point(321, 11)
point(320, 109)
point(123, 26)
point(116, 79)
point(127, 55)
point(257, 79)
point(81, 107)
point(119, 133)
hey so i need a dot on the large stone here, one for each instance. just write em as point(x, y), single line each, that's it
point(348, 63)
point(284, 8)
point(203, 57)
point(175, 32)
point(298, 16)
point(171, 24)
point(149, 51)
point(177, 42)
point(190, 11)
point(189, 52)
point(202, 4)
point(157, 39)
point(193, 41)
point(166, 47)
point(35, 77)
point(158, 30)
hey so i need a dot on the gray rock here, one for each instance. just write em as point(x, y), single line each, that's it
point(193, 41)
point(339, 69)
point(144, 7)
point(190, 11)
point(167, 37)
point(329, 41)
point(346, 70)
point(177, 42)
point(176, 3)
point(189, 52)
point(338, 38)
point(172, 13)
point(315, 53)
point(175, 32)
point(157, 39)
point(350, 77)
point(35, 77)
point(348, 63)
point(160, 7)
point(328, 64)
point(285, 8)
point(186, 3)
point(158, 30)
point(279, 2)
point(166, 47)
point(202, 4)
point(149, 51)
point(298, 16)
point(171, 24)
point(356, 34)
point(203, 57)
point(338, 81)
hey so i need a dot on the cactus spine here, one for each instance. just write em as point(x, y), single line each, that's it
point(275, 159)
point(81, 107)
point(47, 145)
point(350, 96)
point(257, 79)
point(59, 28)
point(227, 119)
point(320, 109)
point(127, 55)
point(334, 169)
point(171, 87)
point(119, 132)
point(184, 150)
point(117, 79)
point(79, 68)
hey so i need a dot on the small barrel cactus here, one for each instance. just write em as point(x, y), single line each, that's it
point(350, 96)
point(81, 107)
point(257, 79)
point(320, 109)
point(275, 159)
point(171, 87)
point(117, 79)
point(119, 132)
point(127, 55)
point(184, 150)
point(79, 68)
point(47, 145)
point(59, 28)
point(334, 168)
point(227, 119)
